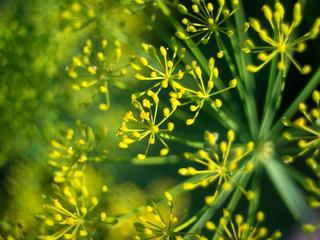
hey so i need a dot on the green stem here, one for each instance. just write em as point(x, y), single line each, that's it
point(250, 105)
point(272, 94)
point(182, 140)
point(254, 203)
point(207, 215)
point(235, 198)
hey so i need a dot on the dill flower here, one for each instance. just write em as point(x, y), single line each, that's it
point(204, 90)
point(206, 22)
point(73, 150)
point(148, 125)
point(163, 71)
point(220, 169)
point(282, 43)
point(77, 15)
point(162, 226)
point(97, 66)
point(241, 230)
point(309, 125)
point(70, 211)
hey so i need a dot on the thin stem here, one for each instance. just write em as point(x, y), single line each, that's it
point(250, 105)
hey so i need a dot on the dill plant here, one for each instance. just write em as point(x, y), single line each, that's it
point(204, 111)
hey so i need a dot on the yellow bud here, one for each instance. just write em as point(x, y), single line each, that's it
point(231, 135)
point(83, 210)
point(302, 107)
point(122, 145)
point(91, 70)
point(104, 43)
point(67, 236)
point(260, 216)
point(83, 158)
point(164, 151)
point(149, 208)
point(148, 231)
point(195, 8)
point(170, 126)
point(316, 96)
point(83, 233)
point(210, 225)
point(49, 222)
point(103, 106)
point(188, 186)
point(233, 83)
point(141, 156)
point(94, 201)
point(218, 103)
point(104, 188)
point(100, 56)
point(267, 12)
point(255, 24)
point(163, 51)
point(223, 146)
point(103, 89)
point(297, 17)
point(220, 54)
point(252, 68)
point(144, 61)
point(210, 199)
point(168, 196)
point(189, 121)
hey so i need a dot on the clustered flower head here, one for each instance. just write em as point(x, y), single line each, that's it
point(309, 126)
point(70, 210)
point(73, 150)
point(219, 169)
point(162, 70)
point(241, 230)
point(281, 41)
point(148, 124)
point(166, 227)
point(77, 15)
point(202, 92)
point(97, 66)
point(206, 21)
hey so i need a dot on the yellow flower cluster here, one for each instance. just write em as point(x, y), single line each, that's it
point(309, 125)
point(282, 41)
point(202, 92)
point(219, 169)
point(73, 150)
point(97, 66)
point(68, 212)
point(241, 230)
point(147, 125)
point(164, 71)
point(206, 22)
point(162, 226)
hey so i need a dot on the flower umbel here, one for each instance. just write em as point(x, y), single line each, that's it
point(239, 229)
point(309, 125)
point(147, 126)
point(73, 150)
point(166, 227)
point(219, 169)
point(97, 66)
point(165, 72)
point(68, 212)
point(204, 90)
point(206, 21)
point(282, 43)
